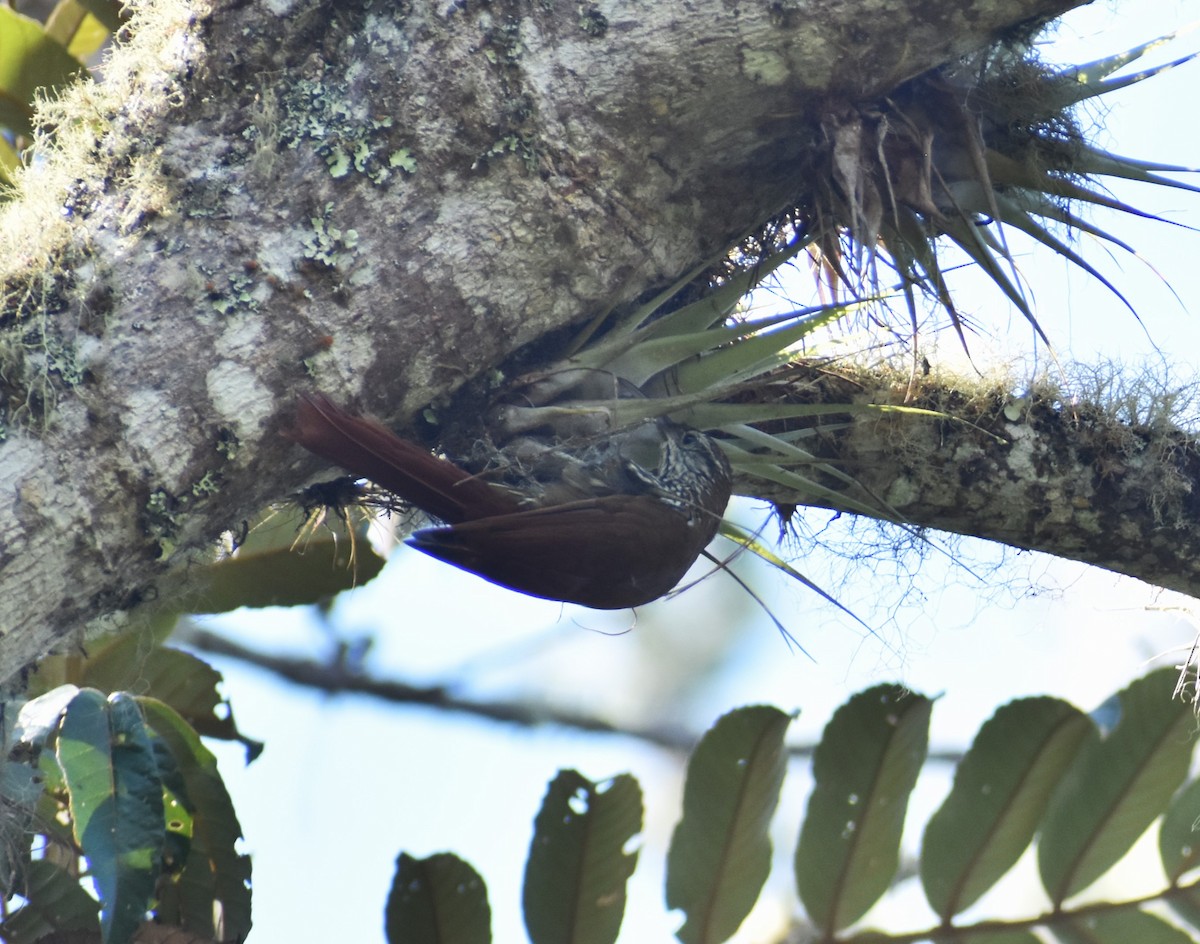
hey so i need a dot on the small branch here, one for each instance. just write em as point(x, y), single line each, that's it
point(336, 678)
point(951, 933)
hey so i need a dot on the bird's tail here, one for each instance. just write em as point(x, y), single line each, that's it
point(368, 449)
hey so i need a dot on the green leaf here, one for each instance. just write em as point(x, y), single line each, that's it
point(999, 937)
point(864, 769)
point(72, 27)
point(116, 804)
point(578, 868)
point(135, 661)
point(280, 565)
point(54, 903)
point(189, 685)
point(1116, 787)
point(437, 900)
point(1179, 835)
point(40, 718)
point(757, 348)
point(1001, 790)
point(1119, 926)
point(1185, 903)
point(108, 12)
point(215, 877)
point(720, 853)
point(29, 60)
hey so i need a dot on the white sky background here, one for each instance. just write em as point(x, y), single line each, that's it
point(345, 783)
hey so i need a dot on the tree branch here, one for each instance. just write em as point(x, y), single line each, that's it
point(338, 679)
point(1075, 480)
point(377, 202)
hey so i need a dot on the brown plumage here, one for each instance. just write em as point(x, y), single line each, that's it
point(610, 533)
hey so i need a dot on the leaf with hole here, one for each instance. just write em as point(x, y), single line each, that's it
point(437, 900)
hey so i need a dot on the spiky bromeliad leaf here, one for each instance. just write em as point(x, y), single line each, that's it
point(1001, 789)
point(646, 321)
point(720, 853)
point(1091, 79)
point(864, 770)
point(751, 543)
point(996, 134)
point(1116, 787)
point(437, 900)
point(578, 863)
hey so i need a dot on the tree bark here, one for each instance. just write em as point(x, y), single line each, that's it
point(378, 201)
point(1044, 473)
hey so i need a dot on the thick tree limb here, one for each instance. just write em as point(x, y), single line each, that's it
point(375, 200)
point(1072, 479)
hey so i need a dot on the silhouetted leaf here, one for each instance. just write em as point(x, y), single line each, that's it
point(1001, 790)
point(55, 902)
point(1119, 926)
point(1001, 937)
point(1117, 786)
point(864, 769)
point(1179, 835)
point(578, 865)
point(720, 853)
point(437, 900)
point(1185, 903)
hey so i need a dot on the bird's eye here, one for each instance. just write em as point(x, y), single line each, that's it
point(691, 438)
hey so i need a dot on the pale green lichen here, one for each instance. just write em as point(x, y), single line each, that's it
point(209, 484)
point(765, 67)
point(592, 21)
point(228, 444)
point(329, 244)
point(88, 141)
point(403, 159)
point(325, 112)
point(231, 293)
point(521, 145)
point(160, 521)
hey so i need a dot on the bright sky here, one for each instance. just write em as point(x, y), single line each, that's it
point(366, 781)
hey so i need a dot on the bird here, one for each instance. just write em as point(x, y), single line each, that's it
point(607, 522)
